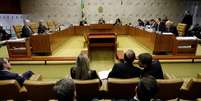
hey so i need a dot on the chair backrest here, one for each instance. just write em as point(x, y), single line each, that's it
point(194, 89)
point(18, 30)
point(121, 88)
point(51, 25)
point(87, 89)
point(168, 88)
point(9, 89)
point(181, 28)
point(40, 90)
point(199, 76)
point(34, 27)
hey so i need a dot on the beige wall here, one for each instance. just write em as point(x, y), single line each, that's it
point(69, 11)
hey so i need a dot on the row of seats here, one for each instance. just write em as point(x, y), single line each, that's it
point(51, 25)
point(170, 88)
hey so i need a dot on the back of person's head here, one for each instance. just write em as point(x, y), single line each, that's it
point(64, 90)
point(145, 58)
point(146, 88)
point(129, 56)
point(82, 66)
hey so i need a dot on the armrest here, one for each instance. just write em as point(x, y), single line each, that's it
point(36, 77)
point(186, 85)
point(199, 76)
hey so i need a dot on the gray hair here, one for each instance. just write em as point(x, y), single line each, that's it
point(129, 56)
point(82, 67)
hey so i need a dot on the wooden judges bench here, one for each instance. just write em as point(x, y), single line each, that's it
point(156, 42)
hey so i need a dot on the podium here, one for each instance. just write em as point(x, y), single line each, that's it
point(19, 48)
point(185, 45)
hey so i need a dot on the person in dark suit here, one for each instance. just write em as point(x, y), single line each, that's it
point(140, 23)
point(188, 20)
point(150, 67)
point(3, 34)
point(101, 21)
point(146, 89)
point(125, 69)
point(83, 22)
point(42, 28)
point(118, 22)
point(5, 74)
point(26, 29)
point(82, 70)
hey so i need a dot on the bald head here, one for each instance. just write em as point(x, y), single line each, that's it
point(129, 56)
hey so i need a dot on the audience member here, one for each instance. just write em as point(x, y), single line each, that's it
point(170, 27)
point(140, 23)
point(82, 70)
point(101, 21)
point(118, 22)
point(42, 28)
point(65, 90)
point(83, 22)
point(150, 67)
point(26, 30)
point(125, 69)
point(5, 73)
point(146, 89)
point(3, 34)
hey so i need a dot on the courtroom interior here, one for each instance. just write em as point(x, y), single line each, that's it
point(49, 39)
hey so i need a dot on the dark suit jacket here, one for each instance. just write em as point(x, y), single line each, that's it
point(6, 75)
point(124, 70)
point(26, 31)
point(4, 35)
point(92, 74)
point(41, 29)
point(155, 70)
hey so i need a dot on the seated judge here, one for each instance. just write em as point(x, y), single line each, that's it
point(26, 29)
point(5, 73)
point(149, 66)
point(83, 22)
point(126, 69)
point(82, 70)
point(3, 34)
point(118, 22)
point(101, 21)
point(42, 28)
point(146, 89)
point(140, 23)
point(170, 27)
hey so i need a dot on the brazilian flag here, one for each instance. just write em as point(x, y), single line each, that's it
point(82, 8)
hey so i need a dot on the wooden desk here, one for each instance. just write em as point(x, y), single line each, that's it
point(49, 42)
point(102, 40)
point(101, 28)
point(156, 42)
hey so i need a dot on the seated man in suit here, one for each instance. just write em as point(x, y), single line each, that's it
point(65, 90)
point(150, 67)
point(101, 21)
point(146, 89)
point(5, 74)
point(3, 34)
point(42, 28)
point(26, 29)
point(125, 69)
point(118, 22)
point(83, 22)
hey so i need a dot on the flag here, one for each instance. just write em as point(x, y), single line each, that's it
point(82, 8)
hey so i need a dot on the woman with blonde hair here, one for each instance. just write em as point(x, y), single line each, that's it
point(82, 70)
